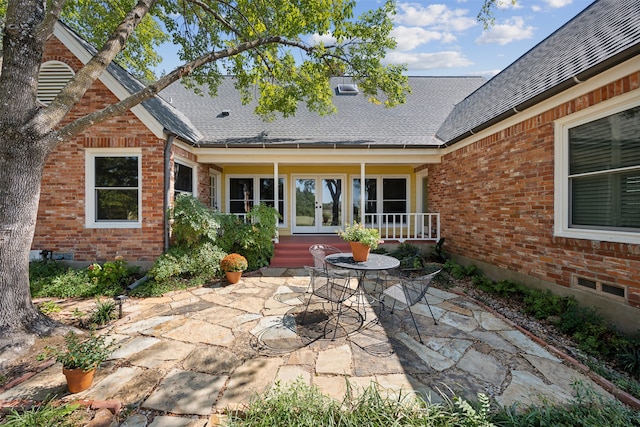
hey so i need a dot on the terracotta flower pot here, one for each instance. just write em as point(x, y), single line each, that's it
point(233, 276)
point(360, 252)
point(78, 380)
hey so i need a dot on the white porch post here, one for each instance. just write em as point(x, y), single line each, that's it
point(276, 190)
point(362, 186)
point(276, 198)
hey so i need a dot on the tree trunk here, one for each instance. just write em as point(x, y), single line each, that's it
point(20, 178)
point(23, 152)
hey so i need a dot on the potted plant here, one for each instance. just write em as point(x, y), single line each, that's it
point(233, 265)
point(80, 359)
point(361, 239)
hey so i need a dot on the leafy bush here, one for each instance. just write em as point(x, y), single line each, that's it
point(193, 222)
point(202, 260)
point(542, 304)
point(302, 405)
point(103, 313)
point(409, 255)
point(112, 274)
point(46, 414)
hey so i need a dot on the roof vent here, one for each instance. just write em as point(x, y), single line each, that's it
point(347, 89)
point(53, 76)
point(224, 113)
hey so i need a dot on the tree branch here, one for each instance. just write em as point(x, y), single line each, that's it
point(87, 75)
point(81, 124)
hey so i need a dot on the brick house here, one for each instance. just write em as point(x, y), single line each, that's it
point(533, 175)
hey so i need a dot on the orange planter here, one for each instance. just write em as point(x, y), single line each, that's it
point(78, 380)
point(360, 252)
point(233, 276)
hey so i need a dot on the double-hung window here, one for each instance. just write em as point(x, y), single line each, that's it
point(598, 176)
point(246, 192)
point(113, 189)
point(385, 200)
point(183, 177)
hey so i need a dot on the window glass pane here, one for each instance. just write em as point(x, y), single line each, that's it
point(591, 200)
point(607, 143)
point(370, 197)
point(241, 195)
point(116, 172)
point(394, 194)
point(183, 176)
point(630, 200)
point(602, 194)
point(117, 205)
point(267, 195)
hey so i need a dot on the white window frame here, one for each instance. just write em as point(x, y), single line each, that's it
point(194, 176)
point(379, 183)
point(562, 200)
point(90, 205)
point(256, 194)
point(214, 189)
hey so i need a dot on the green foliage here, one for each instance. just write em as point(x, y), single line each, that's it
point(95, 21)
point(104, 313)
point(55, 279)
point(193, 222)
point(79, 354)
point(359, 233)
point(47, 414)
point(302, 405)
point(629, 357)
point(409, 255)
point(587, 409)
point(459, 272)
point(202, 260)
point(542, 304)
point(111, 275)
point(48, 307)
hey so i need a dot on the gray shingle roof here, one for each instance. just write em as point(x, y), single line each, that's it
point(171, 119)
point(604, 34)
point(357, 122)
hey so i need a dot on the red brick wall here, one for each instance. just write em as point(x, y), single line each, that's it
point(496, 197)
point(61, 216)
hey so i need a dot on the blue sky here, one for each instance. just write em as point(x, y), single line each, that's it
point(445, 39)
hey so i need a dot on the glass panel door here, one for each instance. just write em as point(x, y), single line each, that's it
point(318, 205)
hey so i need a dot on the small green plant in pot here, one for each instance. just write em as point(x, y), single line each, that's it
point(361, 240)
point(81, 358)
point(233, 265)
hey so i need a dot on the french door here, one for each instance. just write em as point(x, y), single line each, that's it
point(318, 204)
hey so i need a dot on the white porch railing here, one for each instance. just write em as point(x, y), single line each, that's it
point(405, 226)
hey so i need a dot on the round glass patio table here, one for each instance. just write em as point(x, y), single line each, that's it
point(375, 262)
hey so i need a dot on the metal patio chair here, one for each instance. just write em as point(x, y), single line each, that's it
point(331, 287)
point(408, 291)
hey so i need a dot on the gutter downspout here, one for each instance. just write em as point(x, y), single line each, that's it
point(167, 187)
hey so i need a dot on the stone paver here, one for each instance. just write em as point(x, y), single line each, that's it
point(193, 353)
point(185, 392)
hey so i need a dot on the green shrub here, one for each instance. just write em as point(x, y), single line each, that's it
point(202, 260)
point(193, 222)
point(46, 414)
point(302, 405)
point(542, 304)
point(115, 274)
point(104, 313)
point(409, 255)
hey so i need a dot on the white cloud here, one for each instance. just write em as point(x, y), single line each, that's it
point(512, 30)
point(428, 61)
point(508, 4)
point(409, 38)
point(326, 39)
point(435, 16)
point(558, 3)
